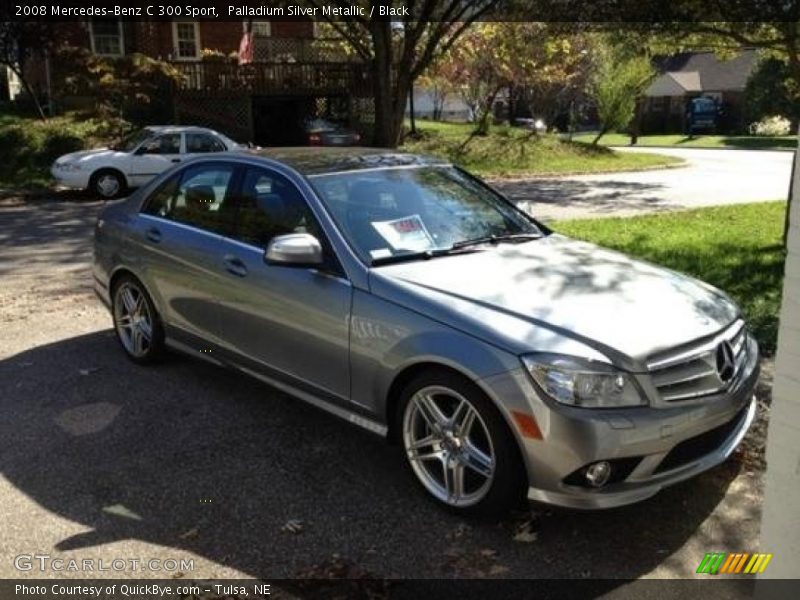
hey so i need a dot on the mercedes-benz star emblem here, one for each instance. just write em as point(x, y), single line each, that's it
point(726, 366)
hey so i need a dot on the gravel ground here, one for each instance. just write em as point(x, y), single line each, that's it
point(100, 458)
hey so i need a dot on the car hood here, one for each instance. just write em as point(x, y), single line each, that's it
point(86, 155)
point(537, 295)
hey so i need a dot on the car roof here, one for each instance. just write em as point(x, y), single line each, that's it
point(178, 129)
point(318, 161)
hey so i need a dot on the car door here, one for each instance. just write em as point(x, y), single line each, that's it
point(154, 157)
point(290, 323)
point(179, 232)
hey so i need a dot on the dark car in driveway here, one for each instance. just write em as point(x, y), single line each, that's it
point(327, 132)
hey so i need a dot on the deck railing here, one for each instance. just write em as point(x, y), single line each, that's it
point(273, 78)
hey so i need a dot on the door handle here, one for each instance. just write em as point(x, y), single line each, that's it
point(153, 234)
point(176, 160)
point(234, 265)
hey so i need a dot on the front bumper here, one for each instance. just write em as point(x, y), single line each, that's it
point(642, 486)
point(77, 180)
point(666, 443)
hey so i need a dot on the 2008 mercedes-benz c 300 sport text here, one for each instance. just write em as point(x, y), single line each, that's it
point(407, 297)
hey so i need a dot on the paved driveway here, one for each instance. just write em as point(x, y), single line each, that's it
point(710, 177)
point(100, 458)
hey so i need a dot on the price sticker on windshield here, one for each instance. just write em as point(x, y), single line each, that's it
point(406, 233)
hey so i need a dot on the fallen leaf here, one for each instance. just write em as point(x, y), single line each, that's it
point(526, 532)
point(498, 570)
point(293, 526)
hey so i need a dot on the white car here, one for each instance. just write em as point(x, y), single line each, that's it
point(142, 155)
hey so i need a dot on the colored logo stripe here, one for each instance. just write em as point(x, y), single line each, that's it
point(715, 563)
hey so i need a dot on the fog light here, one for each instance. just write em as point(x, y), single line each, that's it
point(597, 474)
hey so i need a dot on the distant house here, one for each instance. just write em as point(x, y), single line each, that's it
point(290, 72)
point(692, 74)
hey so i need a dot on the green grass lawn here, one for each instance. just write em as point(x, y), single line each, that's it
point(751, 142)
point(735, 248)
point(514, 152)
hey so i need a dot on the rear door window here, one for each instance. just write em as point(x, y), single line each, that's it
point(203, 142)
point(199, 197)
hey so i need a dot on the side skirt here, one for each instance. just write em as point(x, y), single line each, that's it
point(186, 343)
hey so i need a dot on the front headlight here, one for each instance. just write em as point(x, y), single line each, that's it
point(580, 382)
point(68, 166)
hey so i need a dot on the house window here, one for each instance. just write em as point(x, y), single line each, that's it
point(262, 28)
point(187, 40)
point(106, 37)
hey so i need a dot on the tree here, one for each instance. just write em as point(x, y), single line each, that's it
point(133, 86)
point(398, 51)
point(440, 80)
point(19, 41)
point(772, 91)
point(538, 63)
point(616, 84)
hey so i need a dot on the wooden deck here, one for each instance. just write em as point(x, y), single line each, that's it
point(273, 78)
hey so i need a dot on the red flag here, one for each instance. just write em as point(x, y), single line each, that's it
point(246, 48)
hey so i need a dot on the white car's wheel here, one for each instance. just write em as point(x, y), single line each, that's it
point(107, 183)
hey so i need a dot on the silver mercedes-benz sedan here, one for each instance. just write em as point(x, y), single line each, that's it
point(409, 298)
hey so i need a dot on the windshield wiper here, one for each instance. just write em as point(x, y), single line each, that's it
point(496, 239)
point(455, 248)
point(396, 258)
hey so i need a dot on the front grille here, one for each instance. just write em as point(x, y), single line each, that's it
point(700, 445)
point(691, 371)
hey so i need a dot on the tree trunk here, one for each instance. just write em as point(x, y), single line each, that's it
point(794, 67)
point(384, 134)
point(603, 131)
point(411, 110)
point(29, 90)
point(792, 191)
point(512, 105)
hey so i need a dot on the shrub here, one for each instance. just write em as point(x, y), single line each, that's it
point(771, 126)
point(28, 146)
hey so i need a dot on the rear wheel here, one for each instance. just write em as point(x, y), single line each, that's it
point(107, 183)
point(136, 322)
point(458, 445)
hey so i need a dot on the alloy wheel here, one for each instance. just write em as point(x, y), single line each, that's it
point(448, 446)
point(133, 320)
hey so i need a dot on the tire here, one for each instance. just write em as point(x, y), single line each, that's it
point(107, 183)
point(458, 446)
point(137, 324)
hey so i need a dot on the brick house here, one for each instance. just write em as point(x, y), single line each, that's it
point(294, 73)
point(690, 75)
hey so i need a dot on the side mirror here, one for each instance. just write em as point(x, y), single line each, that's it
point(294, 250)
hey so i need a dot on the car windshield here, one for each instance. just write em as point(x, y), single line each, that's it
point(132, 140)
point(391, 214)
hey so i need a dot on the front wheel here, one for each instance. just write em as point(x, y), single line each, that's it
point(107, 183)
point(458, 445)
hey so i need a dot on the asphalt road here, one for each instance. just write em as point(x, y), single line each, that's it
point(710, 177)
point(100, 458)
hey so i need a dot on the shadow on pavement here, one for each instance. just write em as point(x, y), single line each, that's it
point(197, 458)
point(598, 196)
